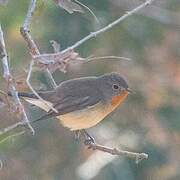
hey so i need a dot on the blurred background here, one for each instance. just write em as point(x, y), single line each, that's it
point(148, 121)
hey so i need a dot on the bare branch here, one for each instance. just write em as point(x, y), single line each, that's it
point(29, 84)
point(91, 144)
point(12, 136)
point(132, 155)
point(7, 102)
point(109, 26)
point(11, 86)
point(9, 128)
point(29, 15)
point(50, 57)
point(34, 51)
point(51, 79)
point(24, 30)
point(4, 56)
point(58, 61)
point(107, 57)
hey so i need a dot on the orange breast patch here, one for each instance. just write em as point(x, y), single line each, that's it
point(117, 100)
point(89, 117)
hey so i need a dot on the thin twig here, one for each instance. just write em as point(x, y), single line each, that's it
point(13, 126)
point(1, 164)
point(132, 155)
point(28, 38)
point(109, 26)
point(32, 89)
point(33, 49)
point(29, 15)
point(11, 86)
point(12, 136)
point(106, 57)
point(91, 144)
point(6, 99)
point(52, 81)
point(94, 34)
point(86, 7)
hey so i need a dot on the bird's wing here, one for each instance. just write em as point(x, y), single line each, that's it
point(33, 99)
point(70, 104)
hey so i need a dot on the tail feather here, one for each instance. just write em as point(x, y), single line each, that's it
point(24, 94)
point(34, 102)
point(43, 117)
point(46, 95)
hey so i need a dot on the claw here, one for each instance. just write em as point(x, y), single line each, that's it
point(88, 138)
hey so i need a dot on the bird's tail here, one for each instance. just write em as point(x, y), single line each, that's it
point(33, 96)
point(24, 94)
point(43, 117)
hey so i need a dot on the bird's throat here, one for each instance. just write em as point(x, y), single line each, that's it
point(117, 100)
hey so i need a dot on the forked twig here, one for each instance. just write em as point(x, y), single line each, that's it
point(33, 50)
point(11, 87)
point(24, 30)
point(94, 34)
point(109, 26)
point(32, 89)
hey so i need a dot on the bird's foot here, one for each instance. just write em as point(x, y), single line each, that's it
point(88, 138)
point(77, 135)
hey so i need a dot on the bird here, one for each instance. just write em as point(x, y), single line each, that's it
point(81, 103)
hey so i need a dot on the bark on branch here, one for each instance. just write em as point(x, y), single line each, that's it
point(91, 144)
point(132, 155)
point(11, 87)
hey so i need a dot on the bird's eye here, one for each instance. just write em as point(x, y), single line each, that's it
point(115, 86)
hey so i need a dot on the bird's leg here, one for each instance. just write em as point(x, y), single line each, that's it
point(77, 134)
point(88, 138)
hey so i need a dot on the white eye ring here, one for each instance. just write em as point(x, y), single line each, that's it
point(115, 86)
